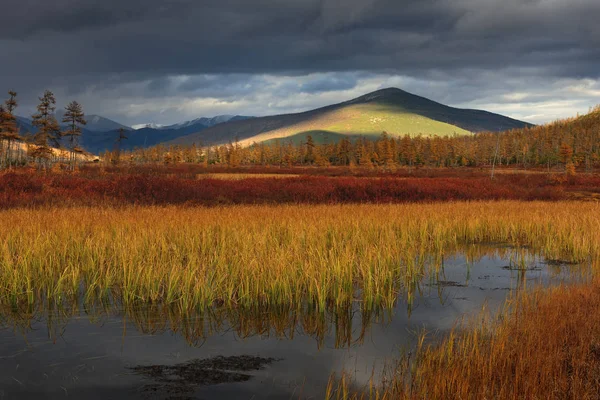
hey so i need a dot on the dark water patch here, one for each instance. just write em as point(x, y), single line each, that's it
point(99, 351)
point(448, 284)
point(182, 379)
point(560, 263)
point(522, 268)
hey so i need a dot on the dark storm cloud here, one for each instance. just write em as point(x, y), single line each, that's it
point(227, 47)
point(26, 18)
point(192, 37)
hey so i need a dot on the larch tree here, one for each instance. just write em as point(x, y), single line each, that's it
point(75, 118)
point(206, 159)
point(4, 157)
point(9, 131)
point(344, 151)
point(232, 156)
point(48, 133)
point(566, 153)
point(310, 150)
point(364, 155)
point(385, 150)
point(117, 153)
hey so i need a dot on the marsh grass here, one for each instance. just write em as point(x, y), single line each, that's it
point(247, 256)
point(544, 345)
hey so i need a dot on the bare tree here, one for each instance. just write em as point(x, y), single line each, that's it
point(120, 138)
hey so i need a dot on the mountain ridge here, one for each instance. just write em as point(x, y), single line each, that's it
point(390, 109)
point(97, 140)
point(145, 137)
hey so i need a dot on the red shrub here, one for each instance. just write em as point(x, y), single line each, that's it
point(92, 188)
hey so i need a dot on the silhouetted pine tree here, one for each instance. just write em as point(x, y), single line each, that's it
point(117, 153)
point(48, 133)
point(74, 117)
point(9, 132)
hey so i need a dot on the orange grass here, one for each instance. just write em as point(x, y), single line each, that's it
point(548, 347)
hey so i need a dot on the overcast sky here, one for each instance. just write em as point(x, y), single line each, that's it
point(162, 61)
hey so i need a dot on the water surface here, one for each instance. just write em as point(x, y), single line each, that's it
point(152, 353)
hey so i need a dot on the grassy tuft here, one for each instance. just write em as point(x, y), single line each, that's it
point(268, 255)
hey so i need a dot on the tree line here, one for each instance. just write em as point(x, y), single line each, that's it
point(566, 144)
point(49, 143)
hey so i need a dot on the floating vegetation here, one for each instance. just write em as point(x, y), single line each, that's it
point(184, 378)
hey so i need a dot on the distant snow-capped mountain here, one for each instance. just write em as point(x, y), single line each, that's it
point(151, 125)
point(207, 122)
point(198, 123)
